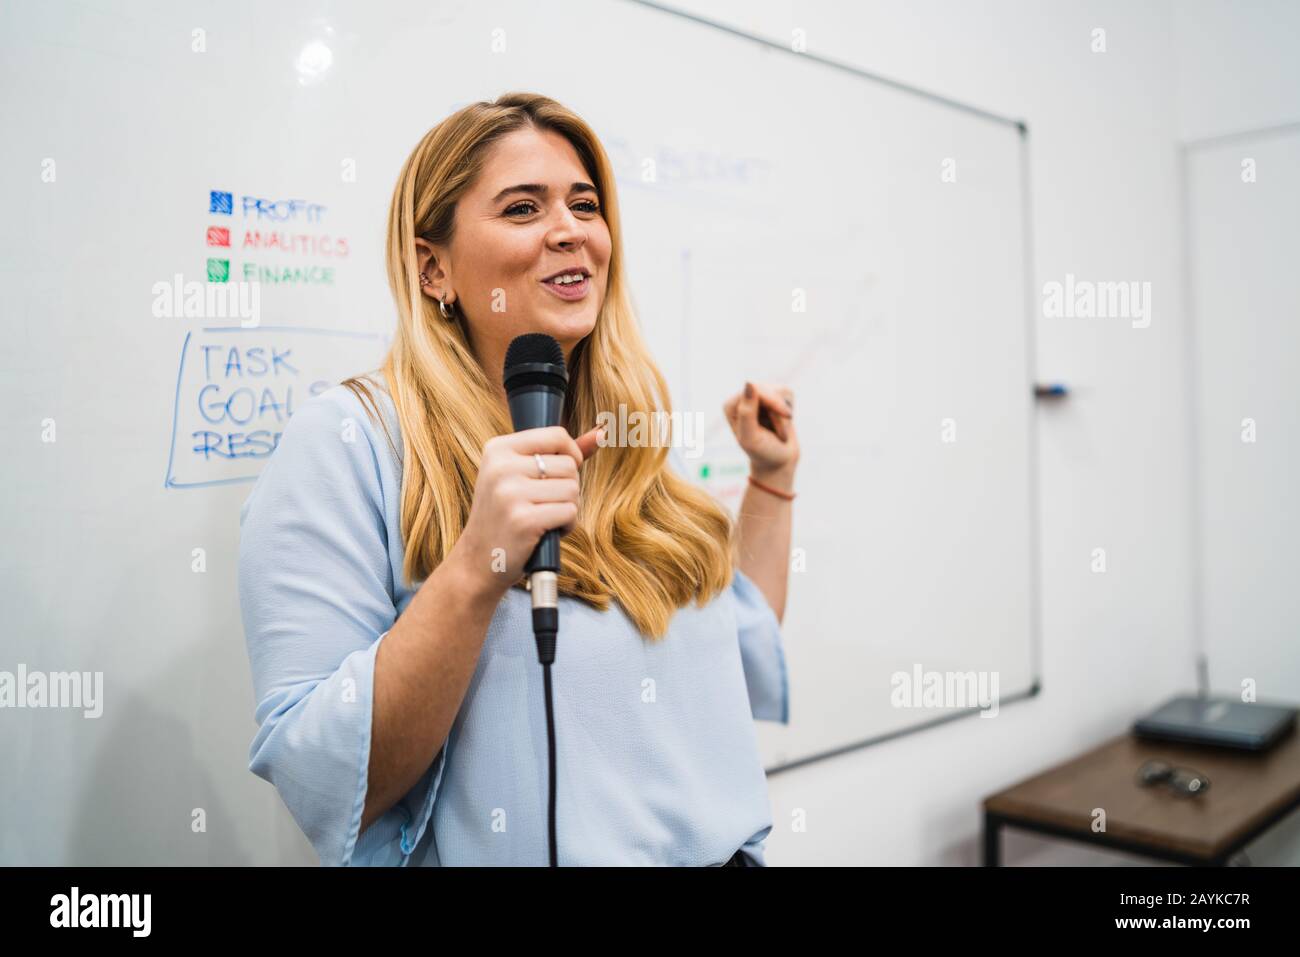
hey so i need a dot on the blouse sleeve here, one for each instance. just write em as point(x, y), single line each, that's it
point(762, 653)
point(316, 596)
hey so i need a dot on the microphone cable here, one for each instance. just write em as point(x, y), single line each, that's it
point(544, 587)
point(550, 748)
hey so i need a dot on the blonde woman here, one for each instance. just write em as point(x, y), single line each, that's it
point(399, 696)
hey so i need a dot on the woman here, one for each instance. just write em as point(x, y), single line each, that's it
point(398, 691)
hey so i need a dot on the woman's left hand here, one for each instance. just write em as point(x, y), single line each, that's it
point(762, 419)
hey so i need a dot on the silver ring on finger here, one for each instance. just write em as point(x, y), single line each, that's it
point(541, 466)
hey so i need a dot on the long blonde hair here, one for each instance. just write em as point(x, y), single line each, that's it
point(644, 535)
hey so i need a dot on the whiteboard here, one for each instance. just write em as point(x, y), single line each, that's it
point(785, 221)
point(1243, 207)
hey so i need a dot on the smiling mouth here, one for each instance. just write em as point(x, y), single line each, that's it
point(575, 288)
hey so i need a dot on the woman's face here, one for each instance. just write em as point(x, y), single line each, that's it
point(509, 240)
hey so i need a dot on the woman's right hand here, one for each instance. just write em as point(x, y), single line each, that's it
point(513, 508)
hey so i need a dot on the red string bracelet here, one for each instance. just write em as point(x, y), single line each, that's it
point(788, 496)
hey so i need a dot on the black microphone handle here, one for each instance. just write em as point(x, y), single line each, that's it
point(546, 556)
point(536, 408)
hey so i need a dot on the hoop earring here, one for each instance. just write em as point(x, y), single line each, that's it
point(447, 312)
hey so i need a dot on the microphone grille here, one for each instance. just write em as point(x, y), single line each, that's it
point(534, 347)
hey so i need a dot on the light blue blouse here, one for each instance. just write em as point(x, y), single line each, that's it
point(656, 749)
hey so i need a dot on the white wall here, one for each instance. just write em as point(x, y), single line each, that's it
point(1114, 459)
point(1238, 65)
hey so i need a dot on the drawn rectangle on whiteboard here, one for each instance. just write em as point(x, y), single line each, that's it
point(236, 389)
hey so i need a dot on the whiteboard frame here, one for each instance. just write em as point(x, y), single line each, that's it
point(1035, 610)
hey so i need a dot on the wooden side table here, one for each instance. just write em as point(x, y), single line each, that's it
point(1248, 794)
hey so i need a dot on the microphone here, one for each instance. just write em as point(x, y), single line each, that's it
point(536, 383)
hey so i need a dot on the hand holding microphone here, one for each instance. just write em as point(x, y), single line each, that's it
point(512, 507)
point(526, 493)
